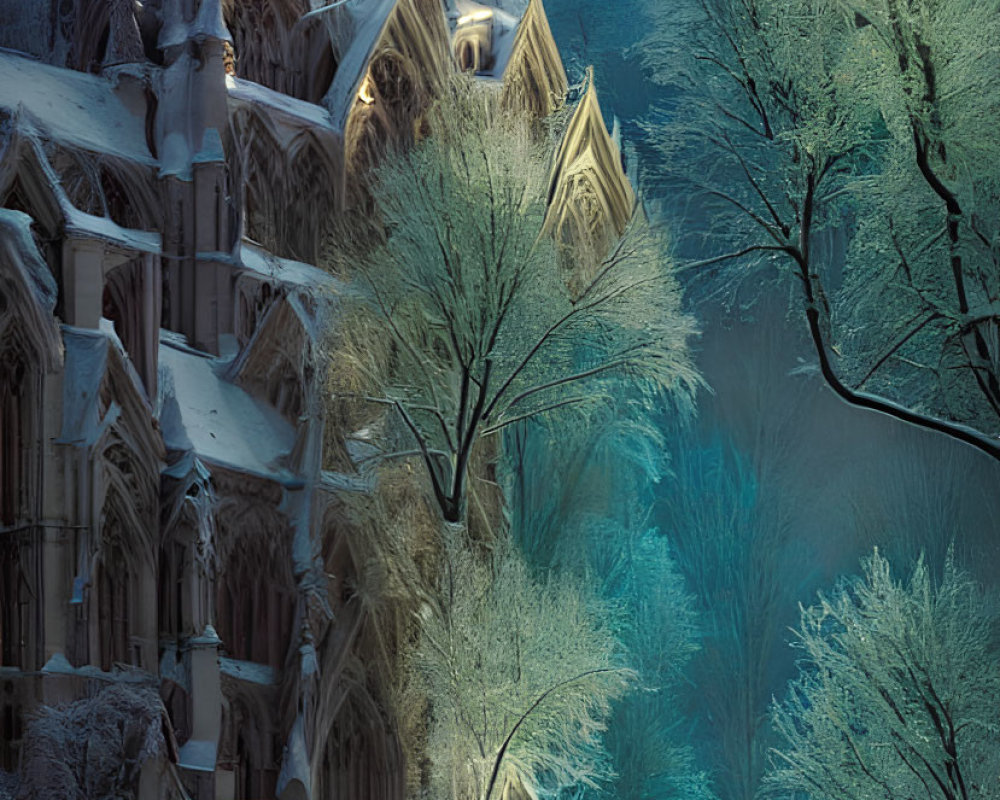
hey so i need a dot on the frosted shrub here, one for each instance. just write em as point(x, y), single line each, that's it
point(94, 747)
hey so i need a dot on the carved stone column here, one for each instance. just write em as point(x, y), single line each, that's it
point(197, 758)
point(83, 279)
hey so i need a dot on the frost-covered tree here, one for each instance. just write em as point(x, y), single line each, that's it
point(96, 746)
point(855, 158)
point(897, 692)
point(520, 673)
point(465, 285)
point(590, 517)
point(598, 471)
point(920, 306)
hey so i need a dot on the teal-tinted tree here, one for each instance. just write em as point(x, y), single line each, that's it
point(897, 692)
point(919, 315)
point(728, 515)
point(590, 517)
point(856, 157)
point(648, 738)
point(520, 672)
point(594, 471)
point(465, 286)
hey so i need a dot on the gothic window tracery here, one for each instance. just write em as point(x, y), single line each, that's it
point(467, 56)
point(119, 206)
point(361, 758)
point(103, 187)
point(273, 47)
point(14, 602)
point(264, 184)
point(14, 438)
point(113, 606)
point(248, 744)
point(253, 780)
point(313, 201)
point(125, 563)
point(255, 602)
point(407, 66)
point(254, 612)
point(15, 198)
point(122, 304)
point(86, 23)
point(80, 180)
point(395, 86)
point(170, 588)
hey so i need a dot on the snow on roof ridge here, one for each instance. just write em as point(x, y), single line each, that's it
point(354, 64)
point(243, 90)
point(287, 270)
point(250, 671)
point(74, 107)
point(58, 664)
point(201, 411)
point(106, 229)
point(198, 755)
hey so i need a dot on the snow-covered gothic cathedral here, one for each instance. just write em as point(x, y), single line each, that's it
point(170, 545)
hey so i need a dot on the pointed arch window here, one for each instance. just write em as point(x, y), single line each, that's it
point(13, 372)
point(14, 602)
point(113, 607)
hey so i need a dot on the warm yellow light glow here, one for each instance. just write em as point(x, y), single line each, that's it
point(365, 92)
point(476, 16)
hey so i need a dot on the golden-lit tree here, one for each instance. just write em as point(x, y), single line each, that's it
point(520, 673)
point(466, 287)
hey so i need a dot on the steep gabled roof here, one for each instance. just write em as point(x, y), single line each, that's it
point(400, 25)
point(287, 111)
point(534, 72)
point(202, 412)
point(368, 28)
point(587, 149)
point(22, 162)
point(523, 52)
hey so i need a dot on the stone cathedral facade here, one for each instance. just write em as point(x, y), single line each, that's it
point(169, 506)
